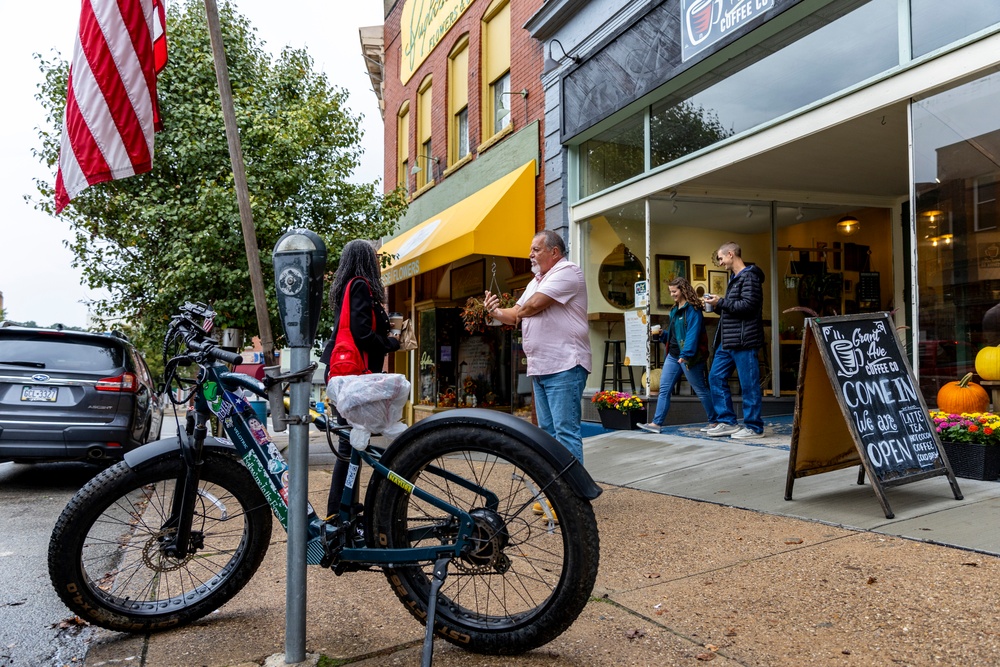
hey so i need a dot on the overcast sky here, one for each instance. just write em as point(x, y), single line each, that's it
point(36, 278)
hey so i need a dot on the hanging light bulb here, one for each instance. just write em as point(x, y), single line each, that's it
point(848, 225)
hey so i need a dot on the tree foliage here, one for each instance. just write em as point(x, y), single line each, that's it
point(172, 235)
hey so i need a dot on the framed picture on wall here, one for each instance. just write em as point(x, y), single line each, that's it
point(701, 289)
point(669, 267)
point(468, 280)
point(717, 282)
point(698, 273)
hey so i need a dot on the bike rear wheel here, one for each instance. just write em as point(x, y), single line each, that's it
point(527, 577)
point(106, 559)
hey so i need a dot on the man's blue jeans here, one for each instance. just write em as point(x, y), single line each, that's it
point(745, 363)
point(670, 376)
point(557, 406)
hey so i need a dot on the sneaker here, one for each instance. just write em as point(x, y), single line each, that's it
point(651, 427)
point(746, 434)
point(706, 429)
point(721, 430)
point(537, 509)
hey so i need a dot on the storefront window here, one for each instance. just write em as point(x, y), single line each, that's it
point(956, 141)
point(613, 156)
point(935, 24)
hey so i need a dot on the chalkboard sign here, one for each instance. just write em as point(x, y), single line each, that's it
point(858, 362)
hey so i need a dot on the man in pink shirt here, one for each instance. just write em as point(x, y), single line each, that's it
point(552, 313)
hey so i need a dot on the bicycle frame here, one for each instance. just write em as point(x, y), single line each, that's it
point(270, 470)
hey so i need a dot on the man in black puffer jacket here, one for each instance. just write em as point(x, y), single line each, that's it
point(737, 340)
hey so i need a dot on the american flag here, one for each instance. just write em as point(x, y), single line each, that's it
point(111, 109)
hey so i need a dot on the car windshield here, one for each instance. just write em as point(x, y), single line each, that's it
point(55, 352)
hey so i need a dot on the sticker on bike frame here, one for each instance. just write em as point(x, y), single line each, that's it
point(400, 482)
point(273, 496)
point(352, 474)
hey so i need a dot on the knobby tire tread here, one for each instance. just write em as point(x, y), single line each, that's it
point(577, 527)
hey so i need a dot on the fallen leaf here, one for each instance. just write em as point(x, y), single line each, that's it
point(705, 656)
point(652, 575)
point(872, 580)
point(846, 652)
point(793, 540)
point(635, 634)
point(731, 632)
point(712, 647)
point(971, 564)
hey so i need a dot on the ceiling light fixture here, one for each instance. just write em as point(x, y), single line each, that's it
point(749, 210)
point(799, 216)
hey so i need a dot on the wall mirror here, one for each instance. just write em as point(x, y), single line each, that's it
point(617, 276)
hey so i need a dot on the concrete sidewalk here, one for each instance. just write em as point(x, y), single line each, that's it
point(701, 559)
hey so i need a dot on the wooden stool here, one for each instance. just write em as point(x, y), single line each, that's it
point(614, 358)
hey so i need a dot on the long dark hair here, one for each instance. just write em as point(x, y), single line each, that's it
point(357, 260)
point(687, 292)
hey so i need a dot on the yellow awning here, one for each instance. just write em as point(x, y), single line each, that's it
point(498, 220)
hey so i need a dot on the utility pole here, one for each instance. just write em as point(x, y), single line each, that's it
point(240, 180)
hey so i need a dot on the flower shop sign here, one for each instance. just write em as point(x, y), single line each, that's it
point(857, 361)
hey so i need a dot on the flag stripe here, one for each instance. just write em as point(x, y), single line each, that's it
point(111, 109)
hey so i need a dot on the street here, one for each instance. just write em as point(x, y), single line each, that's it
point(37, 627)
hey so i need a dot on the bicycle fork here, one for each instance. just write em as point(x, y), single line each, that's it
point(186, 491)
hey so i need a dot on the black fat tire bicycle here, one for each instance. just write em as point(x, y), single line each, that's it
point(180, 526)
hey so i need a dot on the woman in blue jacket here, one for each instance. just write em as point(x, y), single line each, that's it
point(687, 353)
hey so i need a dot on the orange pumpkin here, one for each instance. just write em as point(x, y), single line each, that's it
point(988, 363)
point(963, 396)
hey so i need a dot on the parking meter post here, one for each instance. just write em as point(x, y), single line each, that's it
point(299, 264)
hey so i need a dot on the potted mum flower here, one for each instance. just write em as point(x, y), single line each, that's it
point(971, 441)
point(619, 410)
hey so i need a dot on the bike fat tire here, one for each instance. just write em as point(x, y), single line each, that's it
point(499, 606)
point(104, 558)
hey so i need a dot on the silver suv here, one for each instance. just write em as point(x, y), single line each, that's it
point(71, 395)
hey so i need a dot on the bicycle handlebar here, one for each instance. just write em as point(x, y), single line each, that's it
point(212, 349)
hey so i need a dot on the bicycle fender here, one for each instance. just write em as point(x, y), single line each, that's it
point(171, 448)
point(551, 449)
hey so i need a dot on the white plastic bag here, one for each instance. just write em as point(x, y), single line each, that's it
point(370, 404)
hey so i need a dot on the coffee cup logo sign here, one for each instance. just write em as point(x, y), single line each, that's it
point(877, 389)
point(704, 22)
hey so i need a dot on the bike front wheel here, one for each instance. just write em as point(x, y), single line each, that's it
point(535, 546)
point(106, 555)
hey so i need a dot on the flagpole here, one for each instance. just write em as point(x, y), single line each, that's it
point(240, 179)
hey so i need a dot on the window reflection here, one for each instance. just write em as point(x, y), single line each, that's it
point(800, 66)
point(935, 24)
point(613, 156)
point(956, 157)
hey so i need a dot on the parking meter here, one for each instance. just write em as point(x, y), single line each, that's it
point(299, 265)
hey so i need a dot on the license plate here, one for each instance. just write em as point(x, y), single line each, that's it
point(36, 394)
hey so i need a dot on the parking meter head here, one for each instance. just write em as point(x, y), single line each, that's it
point(299, 264)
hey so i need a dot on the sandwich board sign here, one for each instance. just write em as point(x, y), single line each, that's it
point(857, 362)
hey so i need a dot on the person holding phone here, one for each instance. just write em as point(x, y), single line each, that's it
point(687, 354)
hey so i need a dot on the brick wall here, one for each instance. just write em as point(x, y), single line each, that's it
point(526, 59)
